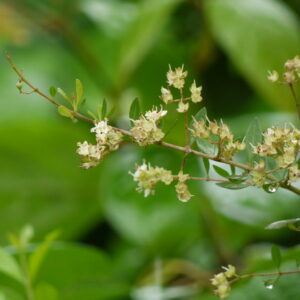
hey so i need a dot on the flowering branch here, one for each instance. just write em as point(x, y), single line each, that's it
point(146, 131)
point(224, 280)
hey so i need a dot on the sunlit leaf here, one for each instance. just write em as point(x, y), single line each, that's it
point(9, 266)
point(282, 223)
point(65, 112)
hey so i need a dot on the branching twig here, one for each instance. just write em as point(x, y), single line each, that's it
point(186, 149)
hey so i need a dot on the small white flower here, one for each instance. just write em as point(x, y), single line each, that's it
point(166, 95)
point(101, 129)
point(273, 76)
point(182, 107)
point(176, 78)
point(196, 93)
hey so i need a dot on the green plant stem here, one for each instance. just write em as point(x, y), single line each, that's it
point(186, 150)
point(295, 98)
point(27, 281)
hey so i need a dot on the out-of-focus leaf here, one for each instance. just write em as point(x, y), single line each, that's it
point(251, 207)
point(142, 33)
point(79, 91)
point(26, 234)
point(253, 33)
point(52, 91)
point(9, 266)
point(41, 181)
point(7, 293)
point(276, 256)
point(65, 112)
point(135, 110)
point(84, 273)
point(282, 223)
point(45, 291)
point(201, 114)
point(37, 257)
point(64, 95)
point(154, 221)
point(104, 109)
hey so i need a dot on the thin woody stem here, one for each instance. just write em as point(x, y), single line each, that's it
point(175, 177)
point(186, 149)
point(279, 273)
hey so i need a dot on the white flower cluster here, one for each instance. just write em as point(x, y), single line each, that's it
point(219, 135)
point(181, 188)
point(177, 80)
point(108, 139)
point(148, 176)
point(291, 74)
point(221, 281)
point(283, 144)
point(145, 130)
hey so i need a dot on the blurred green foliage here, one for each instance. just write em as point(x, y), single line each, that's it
point(120, 50)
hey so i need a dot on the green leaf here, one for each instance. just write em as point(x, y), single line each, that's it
point(237, 178)
point(144, 213)
point(201, 114)
point(80, 272)
point(268, 25)
point(92, 115)
point(79, 91)
point(221, 171)
point(48, 151)
point(37, 257)
point(206, 164)
point(135, 110)
point(253, 137)
point(232, 169)
point(276, 256)
point(232, 185)
point(9, 266)
point(52, 91)
point(45, 291)
point(104, 109)
point(142, 34)
point(6, 293)
point(65, 112)
point(64, 95)
point(26, 234)
point(205, 146)
point(111, 112)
